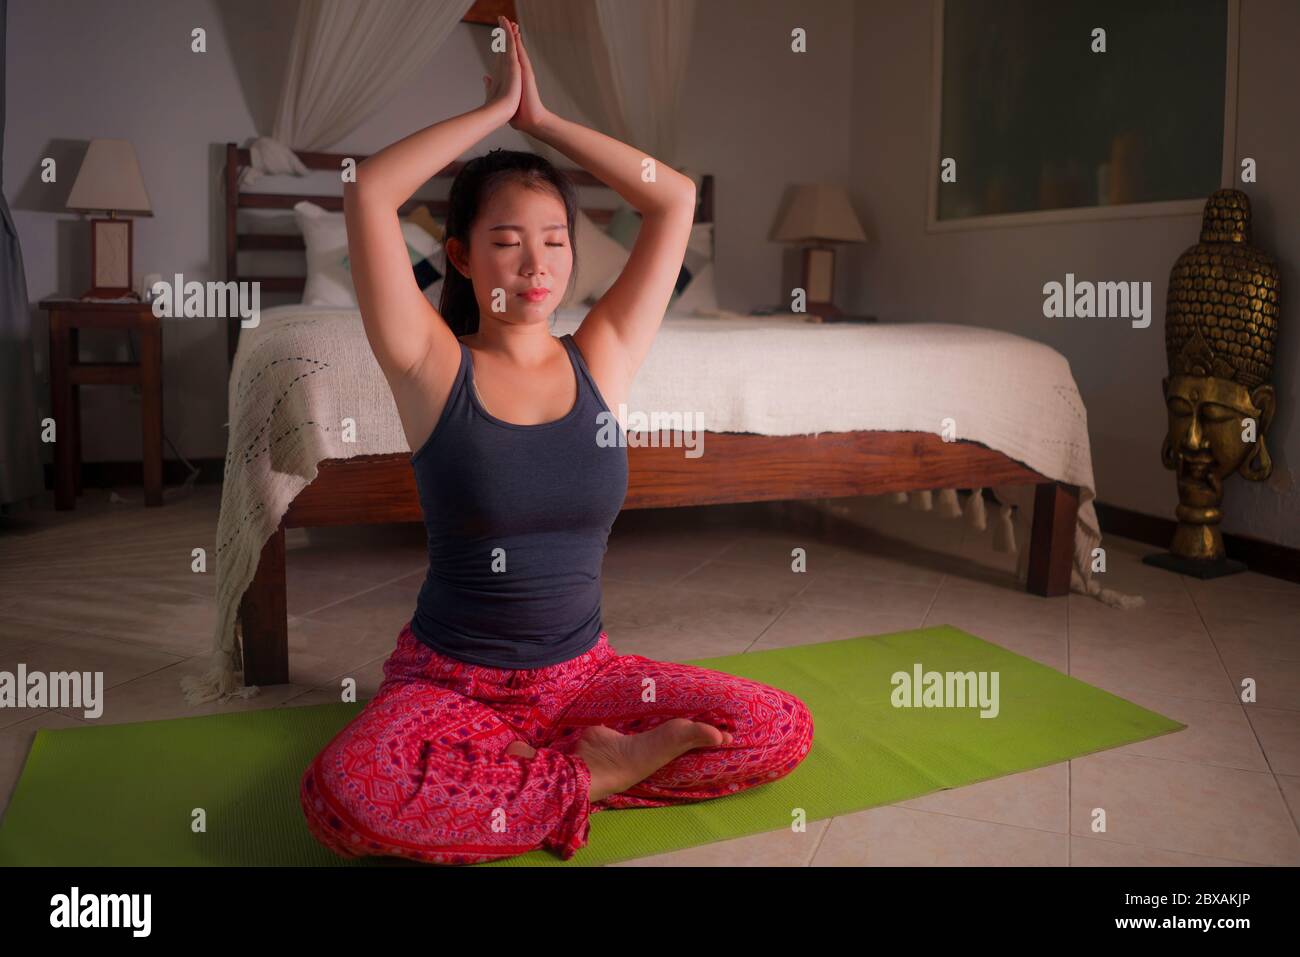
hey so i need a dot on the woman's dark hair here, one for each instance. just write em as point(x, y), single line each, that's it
point(477, 180)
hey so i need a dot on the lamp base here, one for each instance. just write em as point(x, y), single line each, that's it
point(819, 281)
point(110, 258)
point(108, 292)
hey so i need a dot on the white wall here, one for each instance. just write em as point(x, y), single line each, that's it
point(994, 277)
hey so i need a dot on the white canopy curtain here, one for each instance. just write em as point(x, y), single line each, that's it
point(622, 65)
point(346, 59)
point(21, 481)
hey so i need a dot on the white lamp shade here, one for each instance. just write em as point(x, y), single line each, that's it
point(110, 179)
point(817, 212)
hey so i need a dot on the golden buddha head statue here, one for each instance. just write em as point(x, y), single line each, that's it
point(1221, 323)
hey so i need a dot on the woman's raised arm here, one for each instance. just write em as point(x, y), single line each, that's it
point(620, 328)
point(402, 326)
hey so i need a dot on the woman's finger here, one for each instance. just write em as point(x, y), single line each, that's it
point(510, 37)
point(523, 53)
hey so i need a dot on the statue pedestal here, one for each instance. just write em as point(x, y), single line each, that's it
point(1196, 567)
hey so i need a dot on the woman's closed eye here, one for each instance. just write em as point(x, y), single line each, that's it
point(506, 245)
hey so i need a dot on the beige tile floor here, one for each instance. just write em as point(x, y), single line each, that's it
point(109, 588)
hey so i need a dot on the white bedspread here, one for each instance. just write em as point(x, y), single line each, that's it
point(305, 370)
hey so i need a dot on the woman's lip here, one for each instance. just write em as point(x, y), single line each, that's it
point(536, 294)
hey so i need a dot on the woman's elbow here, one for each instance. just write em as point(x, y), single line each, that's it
point(685, 194)
point(360, 188)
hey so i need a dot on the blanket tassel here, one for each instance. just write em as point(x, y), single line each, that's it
point(1004, 533)
point(974, 513)
point(1107, 596)
point(949, 506)
point(221, 681)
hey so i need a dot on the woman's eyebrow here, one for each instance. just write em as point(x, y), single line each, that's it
point(521, 229)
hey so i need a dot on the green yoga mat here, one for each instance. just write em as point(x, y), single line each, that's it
point(124, 794)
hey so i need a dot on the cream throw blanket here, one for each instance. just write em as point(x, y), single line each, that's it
point(305, 371)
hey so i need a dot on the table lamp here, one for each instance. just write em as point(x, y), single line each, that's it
point(818, 214)
point(110, 181)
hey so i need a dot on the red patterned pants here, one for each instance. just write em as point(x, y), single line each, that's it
point(422, 771)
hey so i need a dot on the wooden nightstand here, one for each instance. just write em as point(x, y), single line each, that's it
point(68, 373)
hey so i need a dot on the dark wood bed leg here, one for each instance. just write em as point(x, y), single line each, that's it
point(265, 618)
point(1051, 546)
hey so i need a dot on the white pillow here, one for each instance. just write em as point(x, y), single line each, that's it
point(700, 292)
point(329, 281)
point(600, 260)
point(700, 297)
point(326, 239)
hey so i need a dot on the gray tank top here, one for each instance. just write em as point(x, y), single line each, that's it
point(518, 519)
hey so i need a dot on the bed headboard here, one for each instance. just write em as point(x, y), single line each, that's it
point(237, 242)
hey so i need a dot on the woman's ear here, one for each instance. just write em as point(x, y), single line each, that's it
point(456, 255)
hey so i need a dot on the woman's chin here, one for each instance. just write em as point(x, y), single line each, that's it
point(527, 317)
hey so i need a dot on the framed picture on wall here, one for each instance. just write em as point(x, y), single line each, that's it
point(1079, 109)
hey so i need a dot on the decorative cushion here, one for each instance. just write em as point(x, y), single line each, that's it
point(623, 226)
point(329, 274)
point(695, 288)
point(424, 219)
point(600, 260)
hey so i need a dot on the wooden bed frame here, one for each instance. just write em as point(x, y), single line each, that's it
point(740, 467)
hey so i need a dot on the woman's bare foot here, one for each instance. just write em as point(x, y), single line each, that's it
point(521, 748)
point(618, 761)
